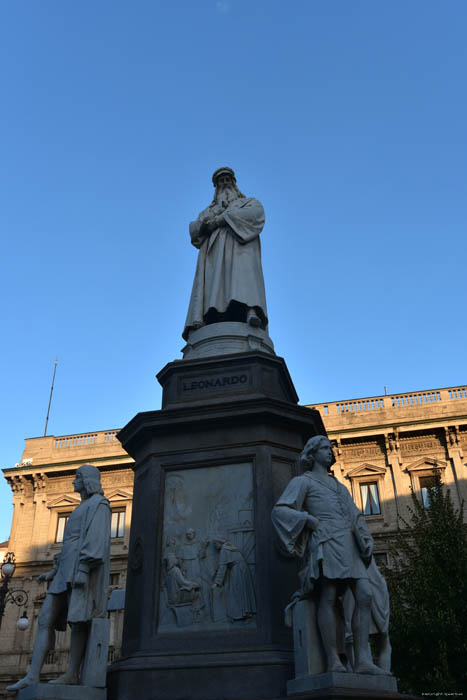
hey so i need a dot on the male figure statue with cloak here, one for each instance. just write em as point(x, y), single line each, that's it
point(318, 522)
point(228, 284)
point(79, 580)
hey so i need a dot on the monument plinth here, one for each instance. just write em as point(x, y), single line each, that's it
point(206, 586)
point(48, 691)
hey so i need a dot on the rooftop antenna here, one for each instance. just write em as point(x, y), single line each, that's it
point(50, 397)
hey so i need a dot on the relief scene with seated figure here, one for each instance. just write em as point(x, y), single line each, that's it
point(208, 572)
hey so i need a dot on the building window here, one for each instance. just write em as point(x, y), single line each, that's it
point(426, 483)
point(117, 528)
point(370, 498)
point(114, 579)
point(381, 558)
point(61, 523)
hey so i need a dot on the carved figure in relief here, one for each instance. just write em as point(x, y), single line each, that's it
point(183, 596)
point(191, 552)
point(228, 284)
point(180, 590)
point(79, 580)
point(317, 521)
point(171, 545)
point(233, 574)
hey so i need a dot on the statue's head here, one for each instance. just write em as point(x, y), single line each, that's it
point(171, 560)
point(190, 534)
point(223, 177)
point(225, 182)
point(318, 443)
point(90, 477)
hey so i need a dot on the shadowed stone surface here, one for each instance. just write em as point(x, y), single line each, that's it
point(47, 691)
point(94, 669)
point(356, 681)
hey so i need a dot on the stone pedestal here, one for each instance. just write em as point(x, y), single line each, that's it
point(52, 691)
point(226, 338)
point(213, 462)
point(308, 648)
point(94, 670)
point(352, 685)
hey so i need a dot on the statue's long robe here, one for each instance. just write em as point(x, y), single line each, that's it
point(229, 262)
point(234, 574)
point(86, 547)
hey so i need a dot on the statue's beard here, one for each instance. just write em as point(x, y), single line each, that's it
point(225, 195)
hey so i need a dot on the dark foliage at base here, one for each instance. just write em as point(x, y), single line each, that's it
point(428, 588)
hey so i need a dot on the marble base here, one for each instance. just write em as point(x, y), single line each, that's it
point(353, 681)
point(52, 691)
point(226, 338)
point(94, 671)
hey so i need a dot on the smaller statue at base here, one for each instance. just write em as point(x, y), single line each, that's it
point(317, 521)
point(79, 581)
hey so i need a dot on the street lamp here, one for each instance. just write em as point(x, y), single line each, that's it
point(17, 596)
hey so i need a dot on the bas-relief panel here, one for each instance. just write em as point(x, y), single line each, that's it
point(208, 558)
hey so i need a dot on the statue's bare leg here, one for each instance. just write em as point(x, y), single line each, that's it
point(384, 652)
point(361, 628)
point(79, 637)
point(327, 625)
point(348, 604)
point(45, 639)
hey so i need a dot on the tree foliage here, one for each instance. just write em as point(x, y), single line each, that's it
point(428, 588)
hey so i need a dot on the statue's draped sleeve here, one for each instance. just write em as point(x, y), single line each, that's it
point(246, 220)
point(290, 520)
point(93, 557)
point(95, 543)
point(195, 233)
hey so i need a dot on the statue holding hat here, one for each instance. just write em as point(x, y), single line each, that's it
point(79, 581)
point(228, 284)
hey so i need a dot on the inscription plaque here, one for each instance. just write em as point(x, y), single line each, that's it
point(192, 386)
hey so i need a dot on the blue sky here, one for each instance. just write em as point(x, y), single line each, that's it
point(345, 118)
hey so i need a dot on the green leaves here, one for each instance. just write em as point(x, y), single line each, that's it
point(428, 588)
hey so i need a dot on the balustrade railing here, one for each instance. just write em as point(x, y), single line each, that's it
point(85, 439)
point(458, 393)
point(377, 403)
point(413, 399)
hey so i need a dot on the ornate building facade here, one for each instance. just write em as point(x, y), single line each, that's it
point(384, 447)
point(387, 445)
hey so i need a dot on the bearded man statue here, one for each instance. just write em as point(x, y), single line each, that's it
point(228, 284)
